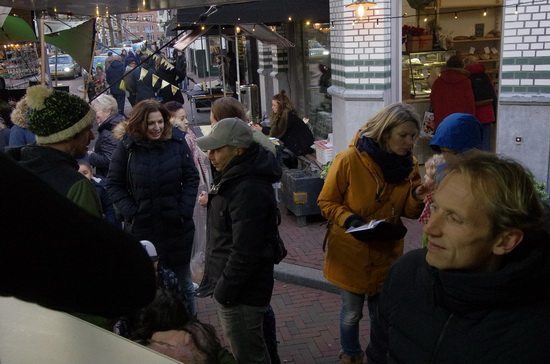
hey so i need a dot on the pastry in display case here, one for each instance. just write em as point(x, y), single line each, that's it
point(423, 68)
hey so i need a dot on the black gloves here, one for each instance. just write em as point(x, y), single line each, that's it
point(381, 232)
point(353, 221)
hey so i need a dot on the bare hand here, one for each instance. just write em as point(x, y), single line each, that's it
point(203, 199)
point(421, 192)
point(256, 127)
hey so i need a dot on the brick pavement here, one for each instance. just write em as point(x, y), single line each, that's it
point(307, 318)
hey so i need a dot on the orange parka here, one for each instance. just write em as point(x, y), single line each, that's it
point(355, 185)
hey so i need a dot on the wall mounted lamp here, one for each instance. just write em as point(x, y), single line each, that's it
point(360, 7)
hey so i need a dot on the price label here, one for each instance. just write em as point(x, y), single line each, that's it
point(472, 50)
point(425, 72)
point(494, 50)
point(422, 59)
point(486, 49)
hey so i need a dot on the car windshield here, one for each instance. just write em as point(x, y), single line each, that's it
point(61, 59)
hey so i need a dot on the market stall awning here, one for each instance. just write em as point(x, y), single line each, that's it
point(16, 30)
point(91, 8)
point(260, 12)
point(186, 41)
point(266, 35)
point(77, 41)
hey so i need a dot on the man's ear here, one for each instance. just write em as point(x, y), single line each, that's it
point(507, 241)
point(240, 150)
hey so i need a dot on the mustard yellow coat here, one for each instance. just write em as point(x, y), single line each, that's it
point(355, 185)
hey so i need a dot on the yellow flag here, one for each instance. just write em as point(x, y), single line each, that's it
point(174, 89)
point(164, 84)
point(142, 73)
point(155, 79)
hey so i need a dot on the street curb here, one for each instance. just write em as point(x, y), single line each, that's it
point(303, 276)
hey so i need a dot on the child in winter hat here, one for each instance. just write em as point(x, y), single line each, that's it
point(56, 115)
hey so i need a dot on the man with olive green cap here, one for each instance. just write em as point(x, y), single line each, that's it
point(242, 226)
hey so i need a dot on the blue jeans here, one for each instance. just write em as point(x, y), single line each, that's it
point(185, 282)
point(350, 315)
point(242, 325)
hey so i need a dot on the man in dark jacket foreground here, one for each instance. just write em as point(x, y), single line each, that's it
point(242, 227)
point(480, 292)
point(59, 256)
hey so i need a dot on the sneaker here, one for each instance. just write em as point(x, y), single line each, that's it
point(348, 359)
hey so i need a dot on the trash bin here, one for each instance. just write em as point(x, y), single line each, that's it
point(251, 100)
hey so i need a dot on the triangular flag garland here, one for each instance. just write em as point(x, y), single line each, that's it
point(163, 60)
point(167, 64)
point(154, 80)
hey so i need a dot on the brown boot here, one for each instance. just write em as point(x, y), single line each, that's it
point(349, 359)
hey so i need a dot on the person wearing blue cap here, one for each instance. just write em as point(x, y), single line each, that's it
point(457, 133)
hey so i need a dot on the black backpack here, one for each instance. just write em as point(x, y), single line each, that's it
point(482, 86)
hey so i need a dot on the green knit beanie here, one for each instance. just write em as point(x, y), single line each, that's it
point(56, 115)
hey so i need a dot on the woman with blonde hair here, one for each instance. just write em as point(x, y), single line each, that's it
point(107, 118)
point(376, 178)
point(153, 183)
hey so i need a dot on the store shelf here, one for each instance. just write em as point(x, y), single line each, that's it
point(461, 4)
point(476, 40)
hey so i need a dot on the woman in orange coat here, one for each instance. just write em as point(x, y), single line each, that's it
point(375, 178)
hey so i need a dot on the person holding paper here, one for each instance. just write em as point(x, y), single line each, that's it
point(376, 178)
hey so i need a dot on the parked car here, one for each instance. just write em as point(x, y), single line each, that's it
point(317, 51)
point(64, 66)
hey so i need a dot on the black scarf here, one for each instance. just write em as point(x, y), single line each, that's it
point(395, 168)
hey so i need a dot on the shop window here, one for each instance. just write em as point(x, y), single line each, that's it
point(317, 46)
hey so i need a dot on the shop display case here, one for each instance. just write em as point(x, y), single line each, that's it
point(417, 69)
point(21, 61)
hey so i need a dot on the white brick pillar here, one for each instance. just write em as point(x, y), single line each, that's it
point(362, 65)
point(524, 100)
point(280, 69)
point(266, 82)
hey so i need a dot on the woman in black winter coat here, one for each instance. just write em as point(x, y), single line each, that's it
point(153, 183)
point(107, 117)
point(285, 125)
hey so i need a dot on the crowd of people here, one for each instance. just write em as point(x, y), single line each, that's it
point(478, 284)
point(161, 78)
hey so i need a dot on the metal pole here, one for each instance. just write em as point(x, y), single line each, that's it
point(44, 57)
point(222, 58)
point(238, 85)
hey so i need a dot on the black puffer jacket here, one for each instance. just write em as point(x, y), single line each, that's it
point(241, 228)
point(154, 185)
point(428, 315)
point(105, 145)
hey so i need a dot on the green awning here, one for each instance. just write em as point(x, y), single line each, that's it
point(16, 30)
point(78, 42)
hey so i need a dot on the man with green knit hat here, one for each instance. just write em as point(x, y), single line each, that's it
point(62, 124)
